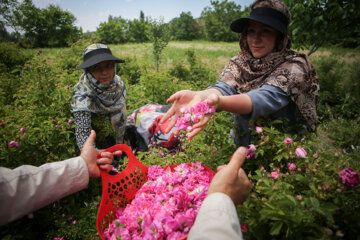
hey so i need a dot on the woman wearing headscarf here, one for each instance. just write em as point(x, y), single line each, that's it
point(99, 92)
point(265, 79)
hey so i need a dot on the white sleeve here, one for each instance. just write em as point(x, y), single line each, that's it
point(28, 188)
point(217, 219)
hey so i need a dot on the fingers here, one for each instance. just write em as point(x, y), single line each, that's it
point(172, 98)
point(203, 122)
point(171, 124)
point(193, 133)
point(91, 139)
point(116, 153)
point(220, 167)
point(238, 158)
point(168, 114)
point(106, 167)
point(104, 161)
point(107, 155)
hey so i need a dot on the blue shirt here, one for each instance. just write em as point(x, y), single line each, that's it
point(267, 101)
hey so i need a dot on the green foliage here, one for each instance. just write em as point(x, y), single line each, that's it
point(321, 22)
point(310, 202)
point(10, 65)
point(12, 56)
point(196, 73)
point(338, 98)
point(112, 31)
point(130, 70)
point(342, 136)
point(184, 27)
point(159, 35)
point(47, 27)
point(305, 202)
point(217, 20)
point(136, 31)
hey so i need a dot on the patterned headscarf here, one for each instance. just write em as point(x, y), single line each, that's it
point(289, 70)
point(91, 96)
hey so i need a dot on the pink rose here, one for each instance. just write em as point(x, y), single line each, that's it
point(250, 151)
point(288, 140)
point(22, 130)
point(259, 129)
point(244, 227)
point(300, 152)
point(275, 174)
point(349, 177)
point(13, 144)
point(291, 166)
point(70, 122)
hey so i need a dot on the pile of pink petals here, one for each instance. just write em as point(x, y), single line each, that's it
point(193, 115)
point(165, 207)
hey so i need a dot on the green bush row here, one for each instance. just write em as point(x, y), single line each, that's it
point(311, 202)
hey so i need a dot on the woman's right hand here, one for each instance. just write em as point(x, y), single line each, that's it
point(188, 99)
point(183, 98)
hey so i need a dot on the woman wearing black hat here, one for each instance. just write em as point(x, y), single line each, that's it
point(265, 79)
point(99, 92)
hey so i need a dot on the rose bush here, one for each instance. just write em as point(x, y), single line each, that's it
point(312, 196)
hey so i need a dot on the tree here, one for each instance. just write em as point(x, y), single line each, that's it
point(184, 27)
point(136, 31)
point(48, 27)
point(319, 22)
point(142, 16)
point(217, 20)
point(113, 31)
point(159, 35)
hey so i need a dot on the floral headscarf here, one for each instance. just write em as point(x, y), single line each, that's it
point(91, 96)
point(289, 70)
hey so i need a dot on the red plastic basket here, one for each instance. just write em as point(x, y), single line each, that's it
point(120, 189)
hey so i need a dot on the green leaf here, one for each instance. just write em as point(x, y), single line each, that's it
point(275, 230)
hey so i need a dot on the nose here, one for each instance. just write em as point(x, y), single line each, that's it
point(257, 36)
point(103, 71)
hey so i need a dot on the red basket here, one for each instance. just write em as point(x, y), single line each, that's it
point(120, 189)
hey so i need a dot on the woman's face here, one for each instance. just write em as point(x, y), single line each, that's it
point(261, 39)
point(103, 72)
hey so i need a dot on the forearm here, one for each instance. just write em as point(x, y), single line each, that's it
point(27, 188)
point(240, 103)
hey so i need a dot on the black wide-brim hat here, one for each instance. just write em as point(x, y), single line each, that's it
point(99, 54)
point(265, 15)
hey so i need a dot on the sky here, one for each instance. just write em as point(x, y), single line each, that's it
point(90, 13)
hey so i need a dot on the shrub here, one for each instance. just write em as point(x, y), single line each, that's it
point(308, 200)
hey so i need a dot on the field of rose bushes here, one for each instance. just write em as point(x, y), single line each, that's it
point(305, 186)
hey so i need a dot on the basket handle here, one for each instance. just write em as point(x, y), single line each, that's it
point(122, 147)
point(126, 149)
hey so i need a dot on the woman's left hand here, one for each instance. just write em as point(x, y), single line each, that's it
point(214, 101)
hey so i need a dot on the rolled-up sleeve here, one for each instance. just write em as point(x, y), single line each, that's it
point(225, 89)
point(217, 219)
point(27, 188)
point(267, 100)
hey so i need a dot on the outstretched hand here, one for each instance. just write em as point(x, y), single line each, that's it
point(231, 179)
point(183, 98)
point(89, 153)
point(188, 99)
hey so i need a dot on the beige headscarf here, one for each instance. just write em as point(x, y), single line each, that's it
point(289, 70)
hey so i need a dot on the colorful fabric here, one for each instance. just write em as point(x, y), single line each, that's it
point(146, 121)
point(90, 95)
